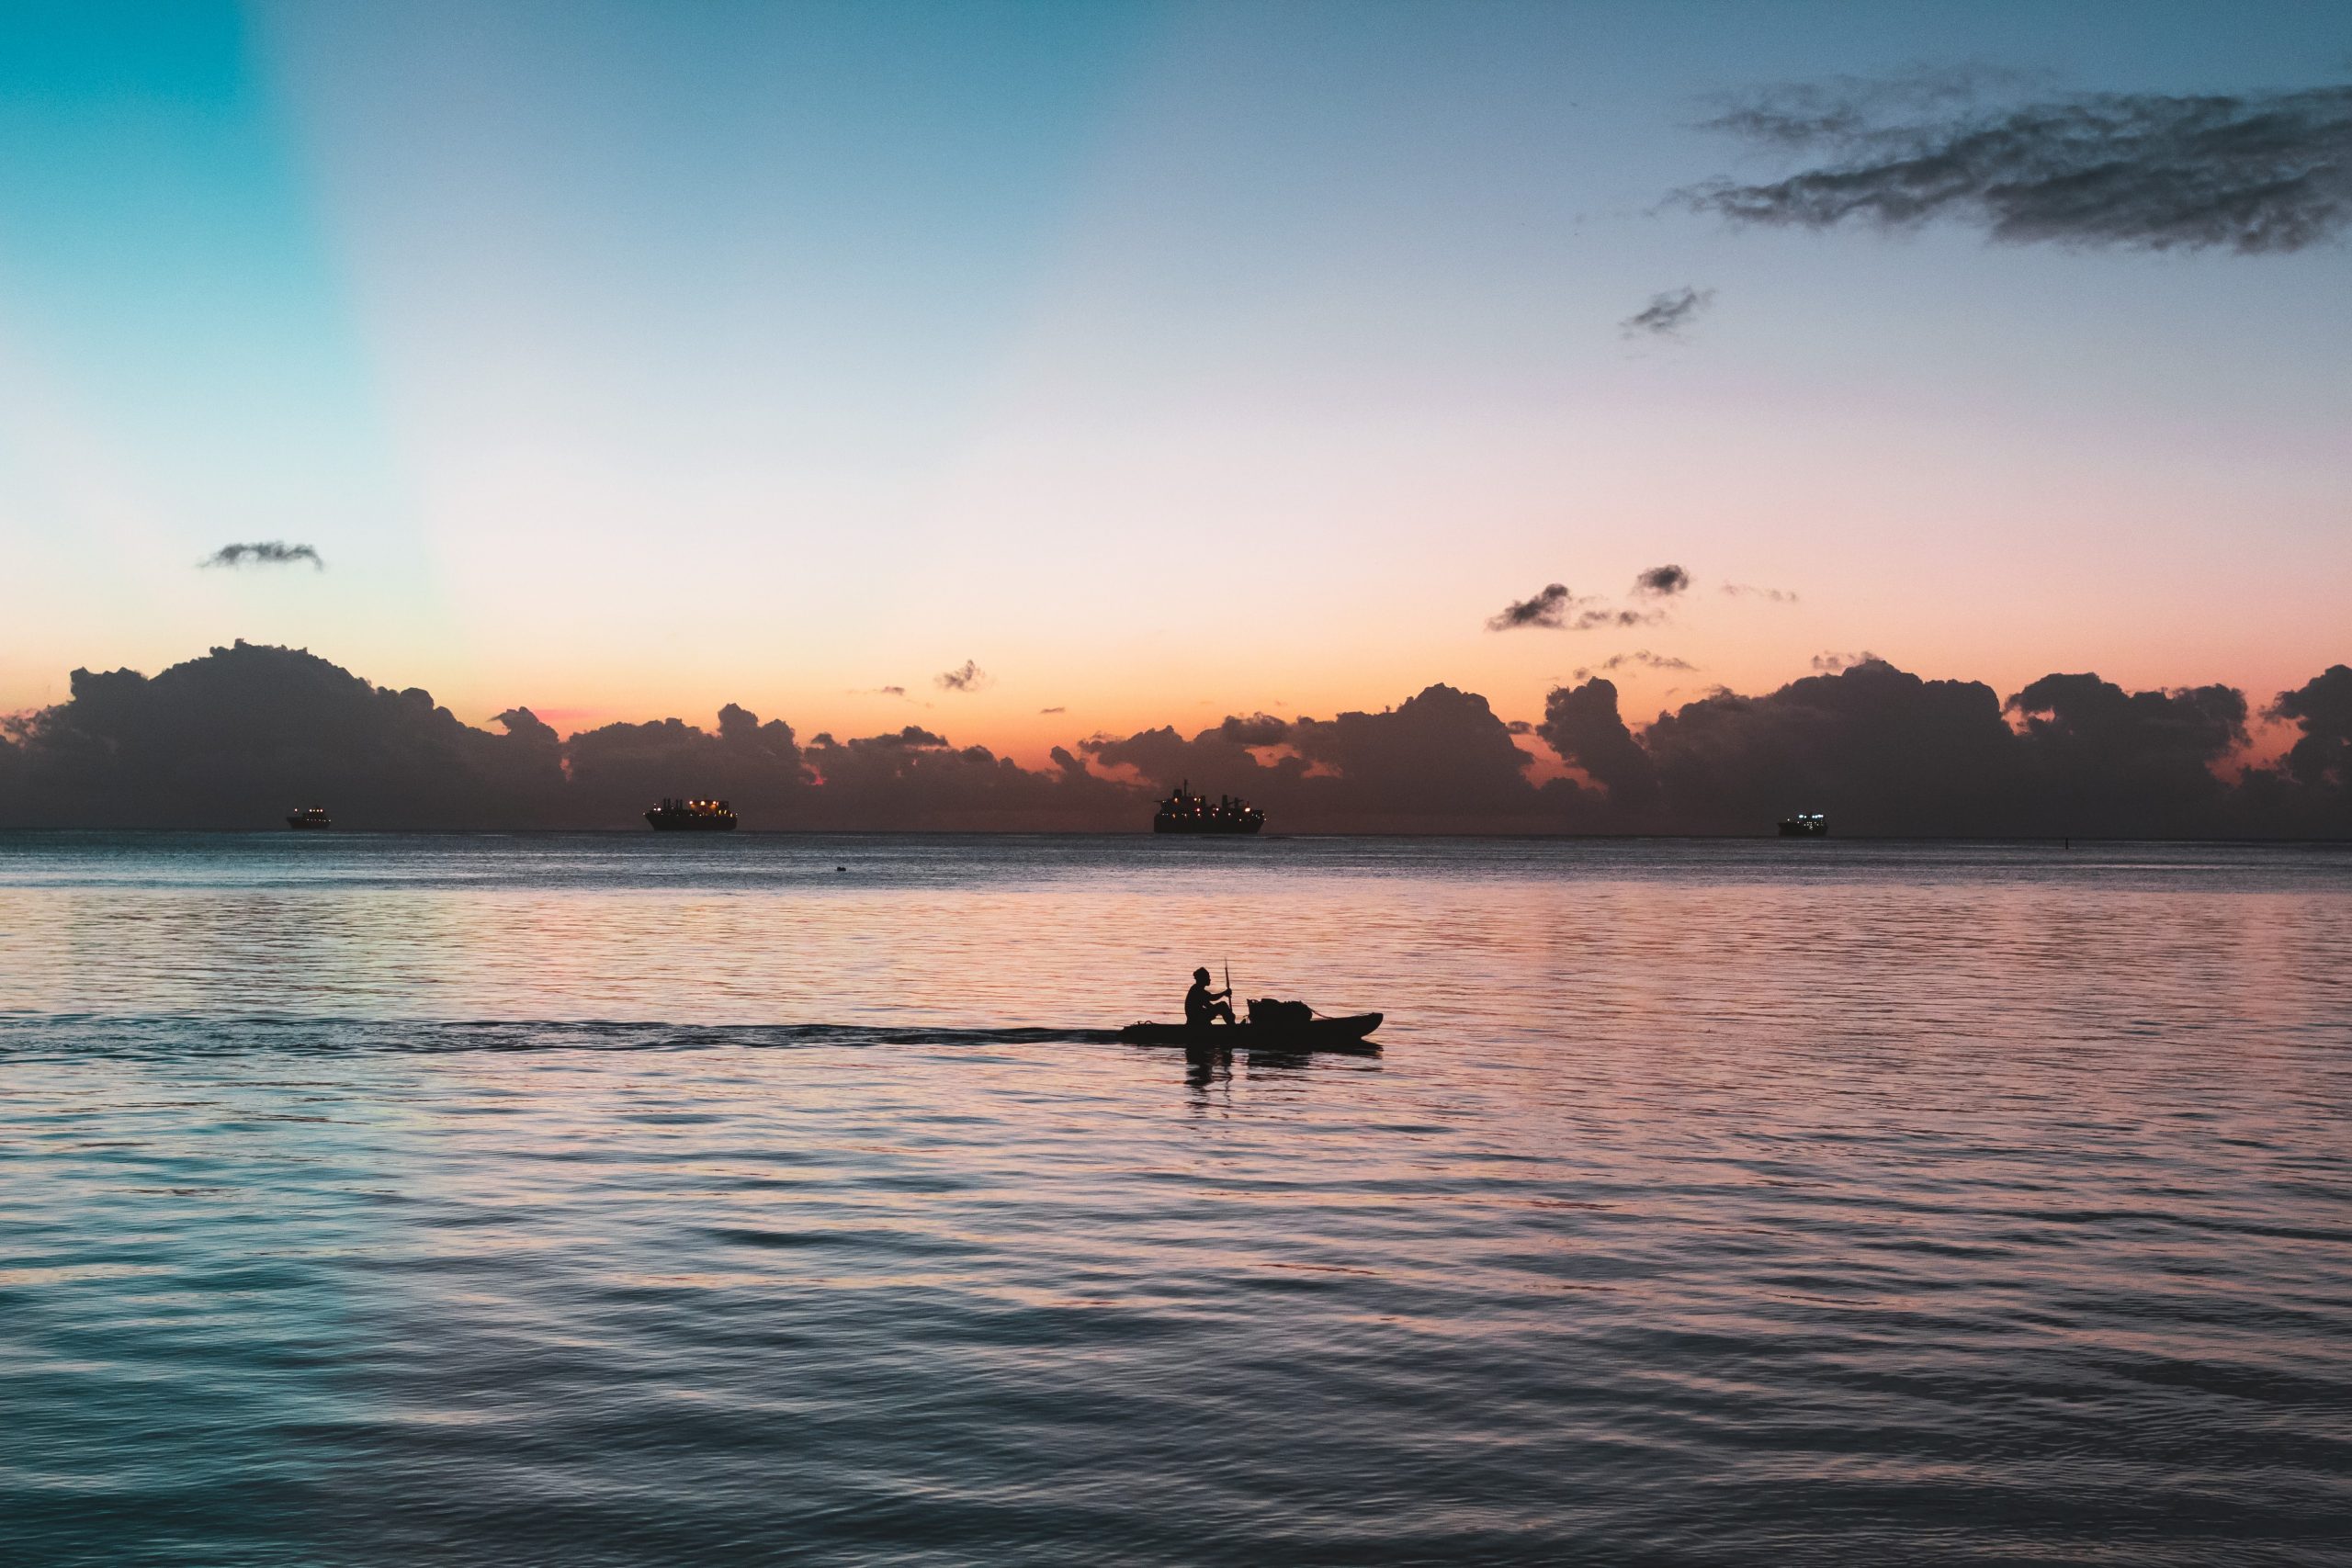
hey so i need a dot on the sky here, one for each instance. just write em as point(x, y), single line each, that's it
point(1152, 362)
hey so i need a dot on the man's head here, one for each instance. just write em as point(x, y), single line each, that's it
point(1202, 976)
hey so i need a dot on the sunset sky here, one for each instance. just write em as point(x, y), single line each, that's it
point(1163, 361)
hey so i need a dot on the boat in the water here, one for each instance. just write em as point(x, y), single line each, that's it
point(1298, 1036)
point(692, 816)
point(309, 817)
point(1804, 825)
point(1185, 812)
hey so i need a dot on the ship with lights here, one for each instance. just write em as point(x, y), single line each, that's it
point(692, 816)
point(1185, 812)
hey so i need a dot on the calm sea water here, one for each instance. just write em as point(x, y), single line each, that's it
point(604, 1200)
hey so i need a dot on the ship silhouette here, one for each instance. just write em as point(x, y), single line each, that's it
point(1185, 812)
point(692, 816)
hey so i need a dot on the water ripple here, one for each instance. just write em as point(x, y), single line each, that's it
point(1932, 1206)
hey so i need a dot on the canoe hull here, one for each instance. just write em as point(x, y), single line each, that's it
point(1317, 1034)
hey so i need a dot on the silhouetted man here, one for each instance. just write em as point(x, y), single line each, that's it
point(1202, 1005)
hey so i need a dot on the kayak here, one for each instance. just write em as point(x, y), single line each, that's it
point(1315, 1035)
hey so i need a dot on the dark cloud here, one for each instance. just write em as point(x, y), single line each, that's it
point(1549, 608)
point(616, 770)
point(1662, 581)
point(266, 552)
point(969, 678)
point(1830, 663)
point(1878, 749)
point(1555, 609)
point(2097, 754)
point(2255, 172)
point(1053, 710)
point(1668, 313)
point(1749, 591)
point(237, 738)
point(1582, 725)
point(1439, 761)
point(2322, 706)
point(1440, 755)
point(1257, 730)
point(240, 737)
point(913, 737)
point(1883, 751)
point(916, 779)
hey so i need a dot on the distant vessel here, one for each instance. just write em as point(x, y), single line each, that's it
point(1804, 826)
point(1185, 812)
point(692, 816)
point(309, 817)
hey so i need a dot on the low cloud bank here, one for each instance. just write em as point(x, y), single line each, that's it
point(1883, 751)
point(235, 739)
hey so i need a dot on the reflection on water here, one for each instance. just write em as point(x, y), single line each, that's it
point(594, 1200)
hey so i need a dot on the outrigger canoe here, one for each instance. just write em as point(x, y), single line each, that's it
point(1315, 1035)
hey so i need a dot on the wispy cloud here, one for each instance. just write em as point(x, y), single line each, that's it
point(1668, 313)
point(970, 677)
point(1640, 658)
point(1591, 620)
point(1749, 591)
point(2255, 172)
point(1549, 609)
point(1053, 710)
point(1556, 609)
point(266, 552)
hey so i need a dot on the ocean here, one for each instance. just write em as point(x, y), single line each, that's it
point(606, 1199)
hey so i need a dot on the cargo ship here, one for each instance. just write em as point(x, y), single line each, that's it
point(309, 817)
point(692, 816)
point(1185, 812)
point(1804, 826)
